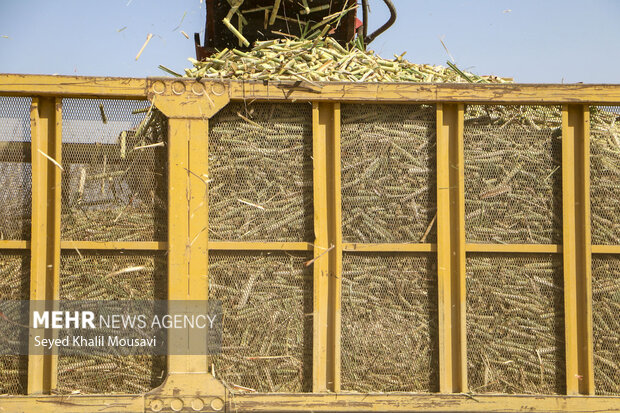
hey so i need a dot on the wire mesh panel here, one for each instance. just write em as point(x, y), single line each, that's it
point(109, 276)
point(260, 166)
point(267, 325)
point(388, 173)
point(606, 325)
point(15, 168)
point(14, 285)
point(389, 323)
point(515, 333)
point(114, 179)
point(512, 174)
point(605, 174)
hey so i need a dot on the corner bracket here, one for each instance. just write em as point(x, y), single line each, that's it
point(195, 392)
point(188, 98)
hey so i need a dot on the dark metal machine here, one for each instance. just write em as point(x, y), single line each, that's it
point(291, 20)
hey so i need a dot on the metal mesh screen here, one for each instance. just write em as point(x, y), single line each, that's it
point(389, 323)
point(267, 326)
point(114, 179)
point(513, 178)
point(605, 174)
point(15, 168)
point(260, 166)
point(606, 325)
point(109, 276)
point(388, 173)
point(515, 332)
point(14, 285)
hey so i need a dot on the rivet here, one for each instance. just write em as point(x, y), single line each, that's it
point(156, 405)
point(178, 88)
point(218, 89)
point(197, 404)
point(217, 404)
point(158, 87)
point(198, 89)
point(177, 405)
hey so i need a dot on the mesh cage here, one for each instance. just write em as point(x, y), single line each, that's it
point(388, 173)
point(389, 323)
point(267, 326)
point(110, 276)
point(14, 285)
point(513, 180)
point(15, 168)
point(605, 174)
point(606, 324)
point(114, 179)
point(260, 166)
point(515, 331)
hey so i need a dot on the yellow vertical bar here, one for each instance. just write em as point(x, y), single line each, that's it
point(178, 224)
point(54, 216)
point(443, 253)
point(327, 247)
point(458, 271)
point(320, 266)
point(577, 249)
point(335, 239)
point(586, 265)
point(451, 248)
point(198, 221)
point(45, 118)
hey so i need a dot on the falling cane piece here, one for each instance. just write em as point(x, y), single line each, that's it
point(148, 39)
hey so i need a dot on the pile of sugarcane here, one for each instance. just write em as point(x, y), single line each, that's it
point(389, 323)
point(15, 198)
point(13, 286)
point(512, 174)
point(606, 324)
point(322, 59)
point(261, 173)
point(111, 277)
point(267, 324)
point(388, 178)
point(122, 199)
point(605, 175)
point(104, 373)
point(515, 333)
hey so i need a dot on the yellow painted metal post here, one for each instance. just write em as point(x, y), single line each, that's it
point(451, 249)
point(327, 247)
point(198, 223)
point(187, 224)
point(577, 249)
point(178, 225)
point(46, 130)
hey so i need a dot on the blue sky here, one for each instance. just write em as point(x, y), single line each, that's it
point(542, 41)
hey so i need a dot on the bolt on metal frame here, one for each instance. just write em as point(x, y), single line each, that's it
point(189, 104)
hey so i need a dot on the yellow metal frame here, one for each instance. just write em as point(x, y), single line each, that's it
point(189, 104)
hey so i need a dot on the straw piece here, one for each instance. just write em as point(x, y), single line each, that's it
point(148, 39)
point(52, 160)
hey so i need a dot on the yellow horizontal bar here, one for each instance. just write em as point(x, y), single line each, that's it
point(81, 86)
point(353, 247)
point(420, 403)
point(115, 245)
point(72, 86)
point(515, 248)
point(81, 404)
point(260, 246)
point(341, 402)
point(14, 245)
point(605, 249)
point(420, 92)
